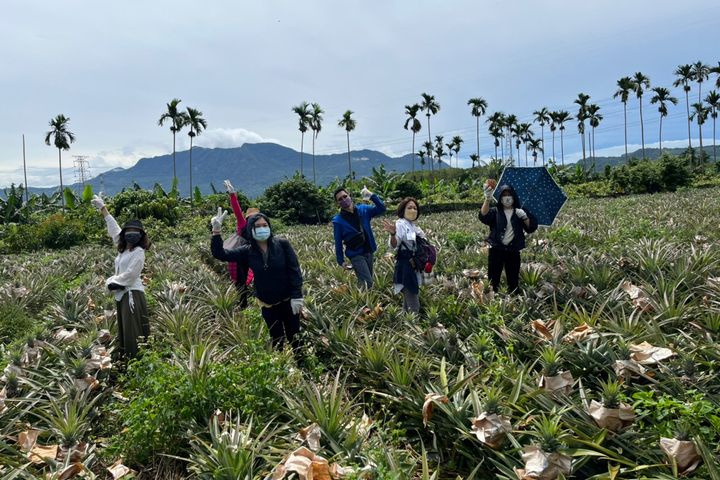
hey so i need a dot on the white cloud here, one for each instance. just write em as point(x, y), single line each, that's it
point(228, 138)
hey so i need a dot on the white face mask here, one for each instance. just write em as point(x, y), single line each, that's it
point(507, 201)
point(411, 215)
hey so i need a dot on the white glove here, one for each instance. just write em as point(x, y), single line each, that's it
point(229, 187)
point(217, 220)
point(97, 202)
point(366, 194)
point(521, 213)
point(488, 191)
point(296, 304)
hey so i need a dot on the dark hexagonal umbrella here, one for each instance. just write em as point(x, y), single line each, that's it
point(537, 190)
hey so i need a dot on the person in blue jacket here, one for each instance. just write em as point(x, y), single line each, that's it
point(352, 229)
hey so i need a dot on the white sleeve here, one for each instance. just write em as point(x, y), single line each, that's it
point(133, 271)
point(113, 228)
point(400, 232)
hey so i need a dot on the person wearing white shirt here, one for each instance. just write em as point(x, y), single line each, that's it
point(126, 284)
point(407, 277)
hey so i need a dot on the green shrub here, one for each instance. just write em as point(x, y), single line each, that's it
point(167, 399)
point(60, 231)
point(674, 172)
point(15, 324)
point(460, 240)
point(408, 188)
point(594, 189)
point(142, 204)
point(296, 201)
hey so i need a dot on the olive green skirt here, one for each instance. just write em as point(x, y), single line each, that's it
point(133, 323)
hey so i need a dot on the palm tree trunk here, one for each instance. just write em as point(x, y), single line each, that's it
point(349, 164)
point(642, 130)
point(701, 144)
point(174, 171)
point(495, 152)
point(302, 139)
point(432, 167)
point(542, 137)
point(582, 140)
point(687, 107)
point(502, 149)
point(661, 117)
point(412, 152)
point(562, 147)
point(62, 190)
point(714, 155)
point(191, 187)
point(553, 149)
point(625, 117)
point(477, 135)
point(313, 157)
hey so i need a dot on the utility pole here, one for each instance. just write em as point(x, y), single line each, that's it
point(27, 198)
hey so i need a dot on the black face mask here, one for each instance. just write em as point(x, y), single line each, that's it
point(133, 237)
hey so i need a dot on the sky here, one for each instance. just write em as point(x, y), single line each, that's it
point(112, 67)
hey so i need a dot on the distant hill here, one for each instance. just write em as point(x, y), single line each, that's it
point(650, 153)
point(251, 168)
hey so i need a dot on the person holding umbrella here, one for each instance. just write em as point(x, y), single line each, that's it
point(508, 224)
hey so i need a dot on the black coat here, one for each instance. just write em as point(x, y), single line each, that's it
point(497, 221)
point(278, 279)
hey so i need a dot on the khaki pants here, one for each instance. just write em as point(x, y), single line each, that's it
point(132, 324)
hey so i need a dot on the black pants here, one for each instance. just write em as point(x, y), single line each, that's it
point(245, 292)
point(282, 325)
point(499, 259)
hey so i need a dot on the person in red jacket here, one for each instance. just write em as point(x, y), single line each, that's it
point(241, 278)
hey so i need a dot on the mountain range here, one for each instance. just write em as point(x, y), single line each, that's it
point(251, 168)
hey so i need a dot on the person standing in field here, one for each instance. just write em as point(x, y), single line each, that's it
point(352, 228)
point(508, 223)
point(278, 279)
point(408, 240)
point(241, 278)
point(126, 284)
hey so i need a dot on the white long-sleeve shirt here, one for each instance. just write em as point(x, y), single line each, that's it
point(128, 264)
point(406, 232)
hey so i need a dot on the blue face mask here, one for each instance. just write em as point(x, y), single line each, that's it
point(261, 233)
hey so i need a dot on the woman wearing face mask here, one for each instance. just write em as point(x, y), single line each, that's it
point(126, 284)
point(278, 279)
point(407, 277)
point(241, 278)
point(508, 224)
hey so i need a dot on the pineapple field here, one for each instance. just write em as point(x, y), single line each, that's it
point(605, 366)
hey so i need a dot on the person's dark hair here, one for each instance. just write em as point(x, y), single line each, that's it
point(144, 242)
point(403, 204)
point(338, 190)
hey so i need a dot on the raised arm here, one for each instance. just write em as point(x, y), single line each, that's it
point(113, 228)
point(378, 208)
point(235, 204)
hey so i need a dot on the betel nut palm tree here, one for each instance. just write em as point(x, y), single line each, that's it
point(349, 124)
point(61, 138)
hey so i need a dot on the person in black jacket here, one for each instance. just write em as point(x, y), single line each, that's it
point(508, 224)
point(278, 279)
